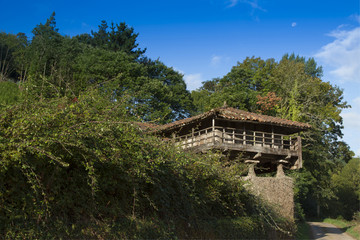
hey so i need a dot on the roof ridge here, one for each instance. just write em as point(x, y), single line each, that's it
point(236, 114)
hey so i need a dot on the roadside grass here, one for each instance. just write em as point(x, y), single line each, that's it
point(350, 227)
point(303, 231)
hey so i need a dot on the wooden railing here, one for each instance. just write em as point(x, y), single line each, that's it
point(232, 136)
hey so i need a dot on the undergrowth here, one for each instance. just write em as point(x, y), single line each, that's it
point(82, 168)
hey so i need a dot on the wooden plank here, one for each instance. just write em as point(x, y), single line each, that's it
point(299, 152)
point(213, 130)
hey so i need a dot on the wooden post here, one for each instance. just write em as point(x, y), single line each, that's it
point(244, 136)
point(213, 130)
point(223, 136)
point(272, 137)
point(173, 138)
point(233, 136)
point(299, 144)
point(254, 138)
point(192, 137)
point(199, 137)
point(206, 136)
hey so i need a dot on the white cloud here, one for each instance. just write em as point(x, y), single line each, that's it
point(293, 24)
point(193, 81)
point(215, 60)
point(253, 3)
point(233, 3)
point(343, 54)
point(179, 71)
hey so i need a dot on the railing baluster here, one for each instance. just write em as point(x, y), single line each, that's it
point(223, 136)
point(244, 137)
point(254, 138)
point(233, 136)
point(263, 139)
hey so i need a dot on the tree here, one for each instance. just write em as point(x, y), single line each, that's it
point(306, 98)
point(166, 91)
point(121, 37)
point(292, 89)
point(346, 183)
point(238, 88)
point(10, 46)
point(155, 91)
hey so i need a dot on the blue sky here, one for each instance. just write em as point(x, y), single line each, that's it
point(203, 39)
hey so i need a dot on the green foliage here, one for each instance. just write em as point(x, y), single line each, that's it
point(10, 48)
point(120, 38)
point(80, 167)
point(303, 231)
point(347, 188)
point(9, 93)
point(53, 65)
point(238, 88)
point(290, 89)
point(71, 137)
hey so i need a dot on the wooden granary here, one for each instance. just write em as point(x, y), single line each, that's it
point(263, 140)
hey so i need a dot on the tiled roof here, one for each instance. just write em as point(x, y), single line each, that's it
point(235, 114)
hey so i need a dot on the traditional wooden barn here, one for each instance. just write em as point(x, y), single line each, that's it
point(267, 141)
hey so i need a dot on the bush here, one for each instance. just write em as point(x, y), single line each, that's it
point(82, 168)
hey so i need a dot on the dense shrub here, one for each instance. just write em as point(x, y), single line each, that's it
point(82, 167)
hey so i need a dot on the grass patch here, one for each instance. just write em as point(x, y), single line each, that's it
point(303, 231)
point(350, 227)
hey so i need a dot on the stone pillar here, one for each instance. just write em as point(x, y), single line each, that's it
point(280, 171)
point(252, 164)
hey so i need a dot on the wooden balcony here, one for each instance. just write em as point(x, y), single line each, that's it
point(263, 146)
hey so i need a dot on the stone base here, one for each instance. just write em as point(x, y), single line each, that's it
point(278, 191)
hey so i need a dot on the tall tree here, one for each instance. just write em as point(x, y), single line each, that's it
point(10, 46)
point(238, 88)
point(51, 58)
point(121, 37)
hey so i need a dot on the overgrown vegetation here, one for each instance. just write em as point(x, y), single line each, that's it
point(303, 231)
point(81, 167)
point(74, 162)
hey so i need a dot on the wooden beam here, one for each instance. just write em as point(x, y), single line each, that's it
point(258, 155)
point(252, 161)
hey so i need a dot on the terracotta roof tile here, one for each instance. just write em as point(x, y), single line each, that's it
point(235, 114)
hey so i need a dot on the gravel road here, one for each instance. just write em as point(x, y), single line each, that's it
point(327, 231)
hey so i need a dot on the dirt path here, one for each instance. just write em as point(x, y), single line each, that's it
point(327, 231)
